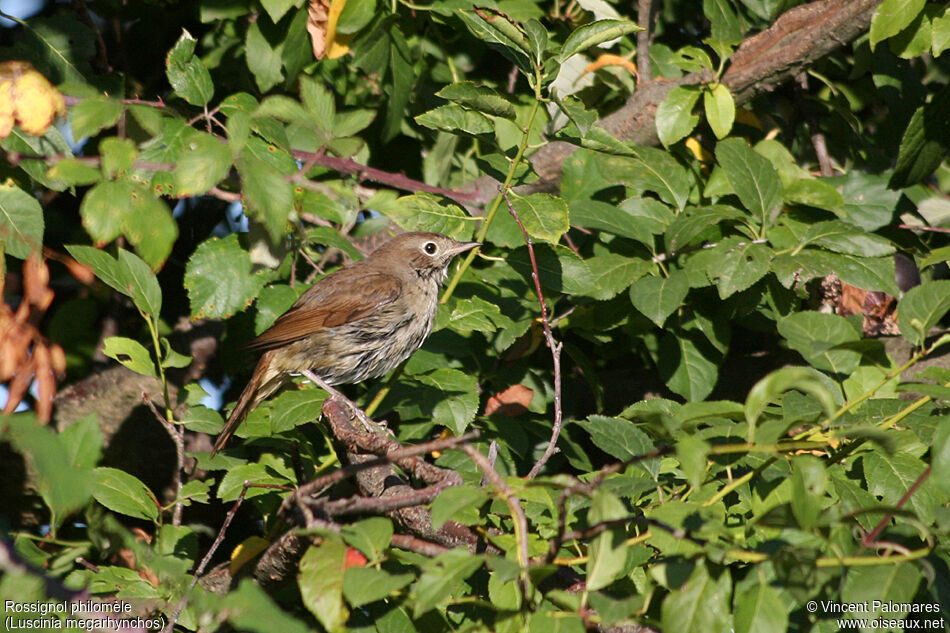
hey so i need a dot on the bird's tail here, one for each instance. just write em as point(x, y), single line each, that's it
point(261, 385)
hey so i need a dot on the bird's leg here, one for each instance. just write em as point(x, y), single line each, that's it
point(370, 425)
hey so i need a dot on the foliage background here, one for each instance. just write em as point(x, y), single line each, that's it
point(733, 445)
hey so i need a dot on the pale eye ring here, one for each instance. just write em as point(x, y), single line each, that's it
point(430, 248)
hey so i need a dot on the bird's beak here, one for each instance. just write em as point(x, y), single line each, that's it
point(461, 247)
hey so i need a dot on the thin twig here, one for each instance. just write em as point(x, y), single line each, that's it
point(417, 545)
point(178, 438)
point(646, 12)
point(555, 347)
point(170, 625)
point(514, 505)
point(399, 181)
point(871, 538)
point(933, 229)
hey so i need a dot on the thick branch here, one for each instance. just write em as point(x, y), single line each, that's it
point(798, 39)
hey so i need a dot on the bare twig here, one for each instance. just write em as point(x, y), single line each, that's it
point(399, 181)
point(586, 488)
point(417, 545)
point(870, 540)
point(170, 625)
point(932, 229)
point(177, 434)
point(555, 347)
point(817, 136)
point(514, 505)
point(646, 14)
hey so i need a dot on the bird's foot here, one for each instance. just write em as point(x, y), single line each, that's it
point(370, 425)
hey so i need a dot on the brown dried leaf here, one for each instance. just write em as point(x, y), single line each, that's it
point(511, 402)
point(321, 25)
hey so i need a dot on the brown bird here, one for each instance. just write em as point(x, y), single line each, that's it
point(357, 323)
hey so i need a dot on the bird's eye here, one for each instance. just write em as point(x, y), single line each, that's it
point(431, 248)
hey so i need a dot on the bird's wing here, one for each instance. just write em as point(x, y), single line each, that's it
point(330, 305)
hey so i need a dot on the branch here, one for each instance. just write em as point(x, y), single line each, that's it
point(399, 181)
point(799, 38)
point(555, 347)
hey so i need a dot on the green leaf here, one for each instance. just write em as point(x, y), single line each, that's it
point(91, 115)
point(426, 212)
point(83, 441)
point(752, 177)
point(454, 118)
point(21, 221)
point(925, 143)
point(815, 335)
point(187, 75)
point(477, 315)
point(898, 582)
point(720, 109)
point(141, 283)
point(740, 267)
point(700, 605)
point(202, 163)
point(213, 295)
point(453, 501)
point(321, 582)
point(891, 17)
point(458, 402)
point(688, 364)
point(621, 439)
point(73, 172)
point(891, 477)
point(233, 481)
point(64, 487)
point(778, 382)
point(656, 170)
point(118, 154)
point(758, 609)
point(150, 227)
point(125, 494)
point(658, 297)
point(480, 98)
point(545, 217)
point(613, 273)
point(293, 408)
point(692, 453)
point(362, 585)
point(922, 308)
point(129, 353)
point(869, 203)
point(371, 536)
point(103, 208)
point(559, 269)
point(809, 480)
point(607, 553)
point(940, 457)
point(269, 195)
point(639, 221)
point(814, 192)
point(498, 31)
point(277, 8)
point(248, 608)
point(675, 118)
point(441, 578)
point(593, 34)
point(846, 238)
point(687, 226)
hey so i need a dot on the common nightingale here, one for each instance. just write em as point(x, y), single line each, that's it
point(354, 324)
